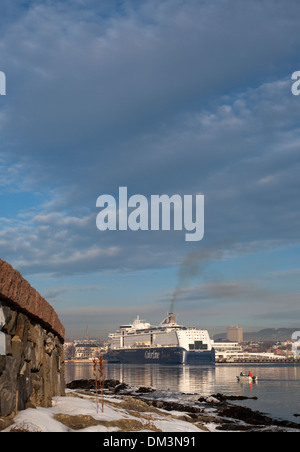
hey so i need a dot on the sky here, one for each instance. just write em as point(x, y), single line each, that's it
point(162, 97)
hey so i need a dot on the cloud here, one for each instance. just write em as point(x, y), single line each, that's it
point(129, 70)
point(215, 304)
point(103, 320)
point(53, 294)
point(284, 273)
point(223, 152)
point(53, 243)
point(148, 96)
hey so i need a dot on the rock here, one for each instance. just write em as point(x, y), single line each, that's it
point(223, 397)
point(17, 348)
point(81, 384)
point(136, 405)
point(195, 417)
point(10, 320)
point(28, 352)
point(159, 404)
point(31, 364)
point(209, 400)
point(49, 344)
point(111, 383)
point(253, 417)
point(16, 290)
point(24, 387)
point(32, 371)
point(244, 414)
point(90, 385)
point(120, 387)
point(81, 421)
point(21, 327)
point(8, 387)
point(212, 400)
point(173, 406)
point(2, 364)
point(77, 422)
point(144, 389)
point(231, 427)
point(5, 422)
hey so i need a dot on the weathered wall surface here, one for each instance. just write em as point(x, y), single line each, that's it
point(31, 346)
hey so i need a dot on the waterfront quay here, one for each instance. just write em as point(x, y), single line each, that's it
point(258, 361)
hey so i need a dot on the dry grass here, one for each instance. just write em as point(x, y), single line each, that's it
point(80, 421)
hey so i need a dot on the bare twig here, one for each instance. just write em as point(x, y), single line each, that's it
point(101, 380)
point(96, 380)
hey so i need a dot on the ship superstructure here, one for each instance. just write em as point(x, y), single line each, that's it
point(168, 343)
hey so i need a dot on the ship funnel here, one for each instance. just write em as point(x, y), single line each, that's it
point(171, 319)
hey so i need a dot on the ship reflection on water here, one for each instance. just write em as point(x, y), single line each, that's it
point(185, 379)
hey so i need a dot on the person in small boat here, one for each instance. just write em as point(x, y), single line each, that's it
point(241, 374)
point(250, 374)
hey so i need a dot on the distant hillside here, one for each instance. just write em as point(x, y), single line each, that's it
point(267, 334)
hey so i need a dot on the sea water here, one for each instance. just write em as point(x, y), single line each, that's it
point(277, 389)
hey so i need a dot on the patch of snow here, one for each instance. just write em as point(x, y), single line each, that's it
point(176, 425)
point(42, 419)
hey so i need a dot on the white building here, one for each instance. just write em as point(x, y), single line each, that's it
point(231, 351)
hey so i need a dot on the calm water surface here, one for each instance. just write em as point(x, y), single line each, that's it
point(277, 389)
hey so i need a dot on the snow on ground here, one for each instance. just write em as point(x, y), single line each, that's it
point(78, 412)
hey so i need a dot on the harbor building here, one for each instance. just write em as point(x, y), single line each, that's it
point(235, 334)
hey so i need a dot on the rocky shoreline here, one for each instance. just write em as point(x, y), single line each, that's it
point(216, 409)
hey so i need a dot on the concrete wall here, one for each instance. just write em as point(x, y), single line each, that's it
point(31, 346)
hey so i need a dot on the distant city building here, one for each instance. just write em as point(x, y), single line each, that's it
point(69, 350)
point(233, 352)
point(88, 349)
point(227, 350)
point(85, 349)
point(235, 334)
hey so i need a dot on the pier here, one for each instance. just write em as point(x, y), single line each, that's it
point(258, 361)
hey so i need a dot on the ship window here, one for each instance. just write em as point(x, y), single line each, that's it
point(191, 346)
point(200, 346)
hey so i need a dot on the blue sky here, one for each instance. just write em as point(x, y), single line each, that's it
point(163, 97)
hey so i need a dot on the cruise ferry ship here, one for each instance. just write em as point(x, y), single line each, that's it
point(167, 343)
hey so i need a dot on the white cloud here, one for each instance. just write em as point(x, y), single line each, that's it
point(249, 177)
point(163, 97)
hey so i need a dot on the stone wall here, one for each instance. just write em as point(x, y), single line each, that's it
point(31, 346)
